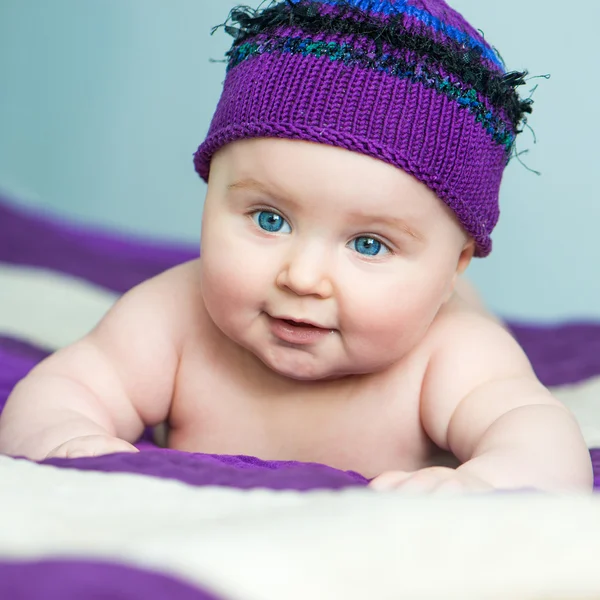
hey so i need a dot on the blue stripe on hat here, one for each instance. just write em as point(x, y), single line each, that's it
point(388, 7)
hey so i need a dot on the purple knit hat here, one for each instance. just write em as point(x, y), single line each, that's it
point(409, 82)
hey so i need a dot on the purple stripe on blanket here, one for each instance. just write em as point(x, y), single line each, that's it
point(595, 454)
point(242, 472)
point(90, 580)
point(115, 262)
point(16, 360)
point(563, 353)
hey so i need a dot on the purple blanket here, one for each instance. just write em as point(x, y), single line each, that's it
point(565, 353)
point(90, 580)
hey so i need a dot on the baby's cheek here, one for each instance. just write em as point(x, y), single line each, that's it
point(232, 278)
point(392, 320)
point(224, 282)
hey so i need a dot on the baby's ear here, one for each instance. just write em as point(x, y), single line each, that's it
point(465, 257)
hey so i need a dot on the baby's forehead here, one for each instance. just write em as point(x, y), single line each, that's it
point(324, 175)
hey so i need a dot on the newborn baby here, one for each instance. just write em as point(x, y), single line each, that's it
point(351, 180)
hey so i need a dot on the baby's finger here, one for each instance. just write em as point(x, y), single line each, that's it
point(91, 446)
point(422, 482)
point(389, 480)
point(102, 450)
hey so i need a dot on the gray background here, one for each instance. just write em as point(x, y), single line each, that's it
point(103, 102)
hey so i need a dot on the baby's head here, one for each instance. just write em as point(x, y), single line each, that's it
point(355, 160)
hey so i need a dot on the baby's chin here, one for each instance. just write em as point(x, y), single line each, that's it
point(302, 372)
point(307, 368)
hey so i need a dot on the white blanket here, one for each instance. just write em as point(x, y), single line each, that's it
point(268, 545)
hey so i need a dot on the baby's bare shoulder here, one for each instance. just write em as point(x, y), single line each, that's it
point(130, 359)
point(474, 343)
point(177, 283)
point(148, 323)
point(467, 350)
point(172, 294)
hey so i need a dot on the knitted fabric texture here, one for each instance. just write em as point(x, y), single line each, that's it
point(409, 82)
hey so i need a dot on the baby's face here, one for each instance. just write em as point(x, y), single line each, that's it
point(294, 231)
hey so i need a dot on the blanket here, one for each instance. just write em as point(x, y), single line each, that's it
point(168, 524)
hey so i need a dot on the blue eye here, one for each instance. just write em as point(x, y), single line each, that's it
point(270, 221)
point(368, 246)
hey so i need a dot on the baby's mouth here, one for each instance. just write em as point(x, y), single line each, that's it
point(297, 333)
point(300, 324)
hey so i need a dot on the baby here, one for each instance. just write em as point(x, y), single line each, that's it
point(353, 167)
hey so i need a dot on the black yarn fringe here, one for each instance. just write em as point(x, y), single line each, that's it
point(244, 22)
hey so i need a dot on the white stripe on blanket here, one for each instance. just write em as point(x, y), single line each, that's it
point(53, 310)
point(271, 545)
point(47, 308)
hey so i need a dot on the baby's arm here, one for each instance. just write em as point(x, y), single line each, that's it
point(97, 395)
point(482, 401)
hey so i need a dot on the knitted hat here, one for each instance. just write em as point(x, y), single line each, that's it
point(409, 82)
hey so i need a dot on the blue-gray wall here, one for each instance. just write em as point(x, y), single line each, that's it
point(102, 103)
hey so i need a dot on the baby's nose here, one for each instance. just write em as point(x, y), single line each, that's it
point(306, 272)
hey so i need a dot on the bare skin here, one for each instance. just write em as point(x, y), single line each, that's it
point(405, 369)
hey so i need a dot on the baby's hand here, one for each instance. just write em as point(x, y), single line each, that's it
point(91, 445)
point(430, 480)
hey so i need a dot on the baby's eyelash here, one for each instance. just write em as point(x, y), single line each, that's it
point(377, 246)
point(270, 220)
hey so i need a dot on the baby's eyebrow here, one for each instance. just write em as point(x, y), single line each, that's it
point(392, 222)
point(249, 184)
point(257, 186)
